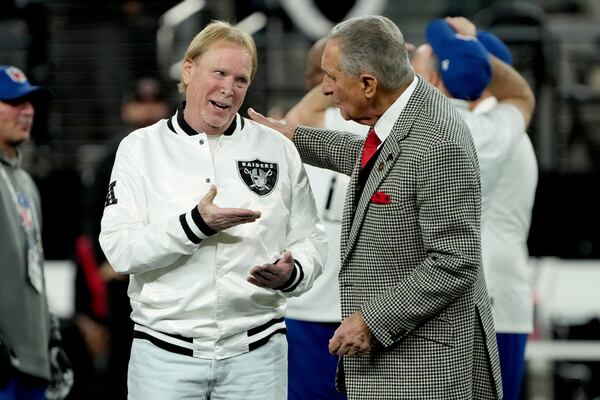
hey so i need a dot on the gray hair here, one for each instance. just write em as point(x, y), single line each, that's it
point(373, 44)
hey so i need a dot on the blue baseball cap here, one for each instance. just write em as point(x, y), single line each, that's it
point(464, 64)
point(14, 85)
point(494, 45)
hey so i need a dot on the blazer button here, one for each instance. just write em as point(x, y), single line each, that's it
point(380, 166)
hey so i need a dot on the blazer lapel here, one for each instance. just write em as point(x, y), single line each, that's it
point(353, 217)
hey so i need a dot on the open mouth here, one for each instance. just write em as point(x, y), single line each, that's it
point(24, 126)
point(219, 106)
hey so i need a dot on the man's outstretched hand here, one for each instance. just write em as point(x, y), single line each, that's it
point(218, 218)
point(286, 130)
point(272, 276)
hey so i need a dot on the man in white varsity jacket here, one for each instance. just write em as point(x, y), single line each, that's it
point(213, 217)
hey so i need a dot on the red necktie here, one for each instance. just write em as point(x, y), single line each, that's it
point(370, 148)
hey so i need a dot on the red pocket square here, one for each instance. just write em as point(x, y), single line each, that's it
point(380, 198)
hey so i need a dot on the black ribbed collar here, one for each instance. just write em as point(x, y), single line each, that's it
point(191, 131)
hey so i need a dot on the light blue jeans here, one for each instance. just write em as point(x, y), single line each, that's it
point(157, 374)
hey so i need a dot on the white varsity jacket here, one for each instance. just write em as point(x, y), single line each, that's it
point(185, 281)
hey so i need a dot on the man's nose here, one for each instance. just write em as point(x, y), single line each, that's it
point(27, 107)
point(227, 86)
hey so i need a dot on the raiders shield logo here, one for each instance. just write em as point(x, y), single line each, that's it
point(259, 176)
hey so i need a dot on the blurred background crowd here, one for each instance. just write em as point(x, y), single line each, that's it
point(113, 66)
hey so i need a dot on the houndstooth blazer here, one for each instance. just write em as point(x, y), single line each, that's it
point(413, 266)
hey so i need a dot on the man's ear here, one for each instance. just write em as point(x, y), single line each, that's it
point(436, 80)
point(186, 71)
point(368, 85)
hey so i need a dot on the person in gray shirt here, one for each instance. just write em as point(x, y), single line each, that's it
point(32, 366)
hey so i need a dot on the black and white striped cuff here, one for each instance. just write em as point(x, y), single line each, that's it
point(295, 278)
point(194, 226)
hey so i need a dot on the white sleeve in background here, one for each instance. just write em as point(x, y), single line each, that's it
point(335, 121)
point(495, 133)
point(306, 238)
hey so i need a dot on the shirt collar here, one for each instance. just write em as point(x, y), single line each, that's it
point(178, 124)
point(485, 105)
point(459, 103)
point(13, 162)
point(386, 122)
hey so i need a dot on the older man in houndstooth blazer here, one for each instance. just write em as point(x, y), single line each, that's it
point(417, 319)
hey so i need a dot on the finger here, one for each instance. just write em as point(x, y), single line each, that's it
point(256, 116)
point(240, 213)
point(261, 281)
point(269, 271)
point(344, 350)
point(257, 273)
point(286, 257)
point(253, 281)
point(334, 345)
point(256, 280)
point(272, 271)
point(230, 224)
point(236, 220)
point(261, 275)
point(356, 349)
point(263, 120)
point(211, 194)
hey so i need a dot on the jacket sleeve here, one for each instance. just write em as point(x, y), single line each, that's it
point(338, 151)
point(306, 238)
point(496, 134)
point(131, 242)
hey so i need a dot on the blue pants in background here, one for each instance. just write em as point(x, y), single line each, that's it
point(511, 350)
point(311, 369)
point(15, 389)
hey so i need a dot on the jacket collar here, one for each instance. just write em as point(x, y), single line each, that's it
point(178, 125)
point(388, 155)
point(13, 162)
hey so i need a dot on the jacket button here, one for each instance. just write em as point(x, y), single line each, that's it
point(207, 180)
point(201, 141)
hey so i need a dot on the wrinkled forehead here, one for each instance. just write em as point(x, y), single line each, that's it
point(331, 55)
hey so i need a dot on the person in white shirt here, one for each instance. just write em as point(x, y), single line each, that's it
point(212, 216)
point(508, 174)
point(313, 318)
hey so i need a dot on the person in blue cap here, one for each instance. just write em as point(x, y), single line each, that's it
point(30, 359)
point(456, 59)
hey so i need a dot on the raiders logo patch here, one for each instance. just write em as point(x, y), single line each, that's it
point(259, 176)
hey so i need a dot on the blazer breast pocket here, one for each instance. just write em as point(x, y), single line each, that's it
point(380, 198)
point(386, 204)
